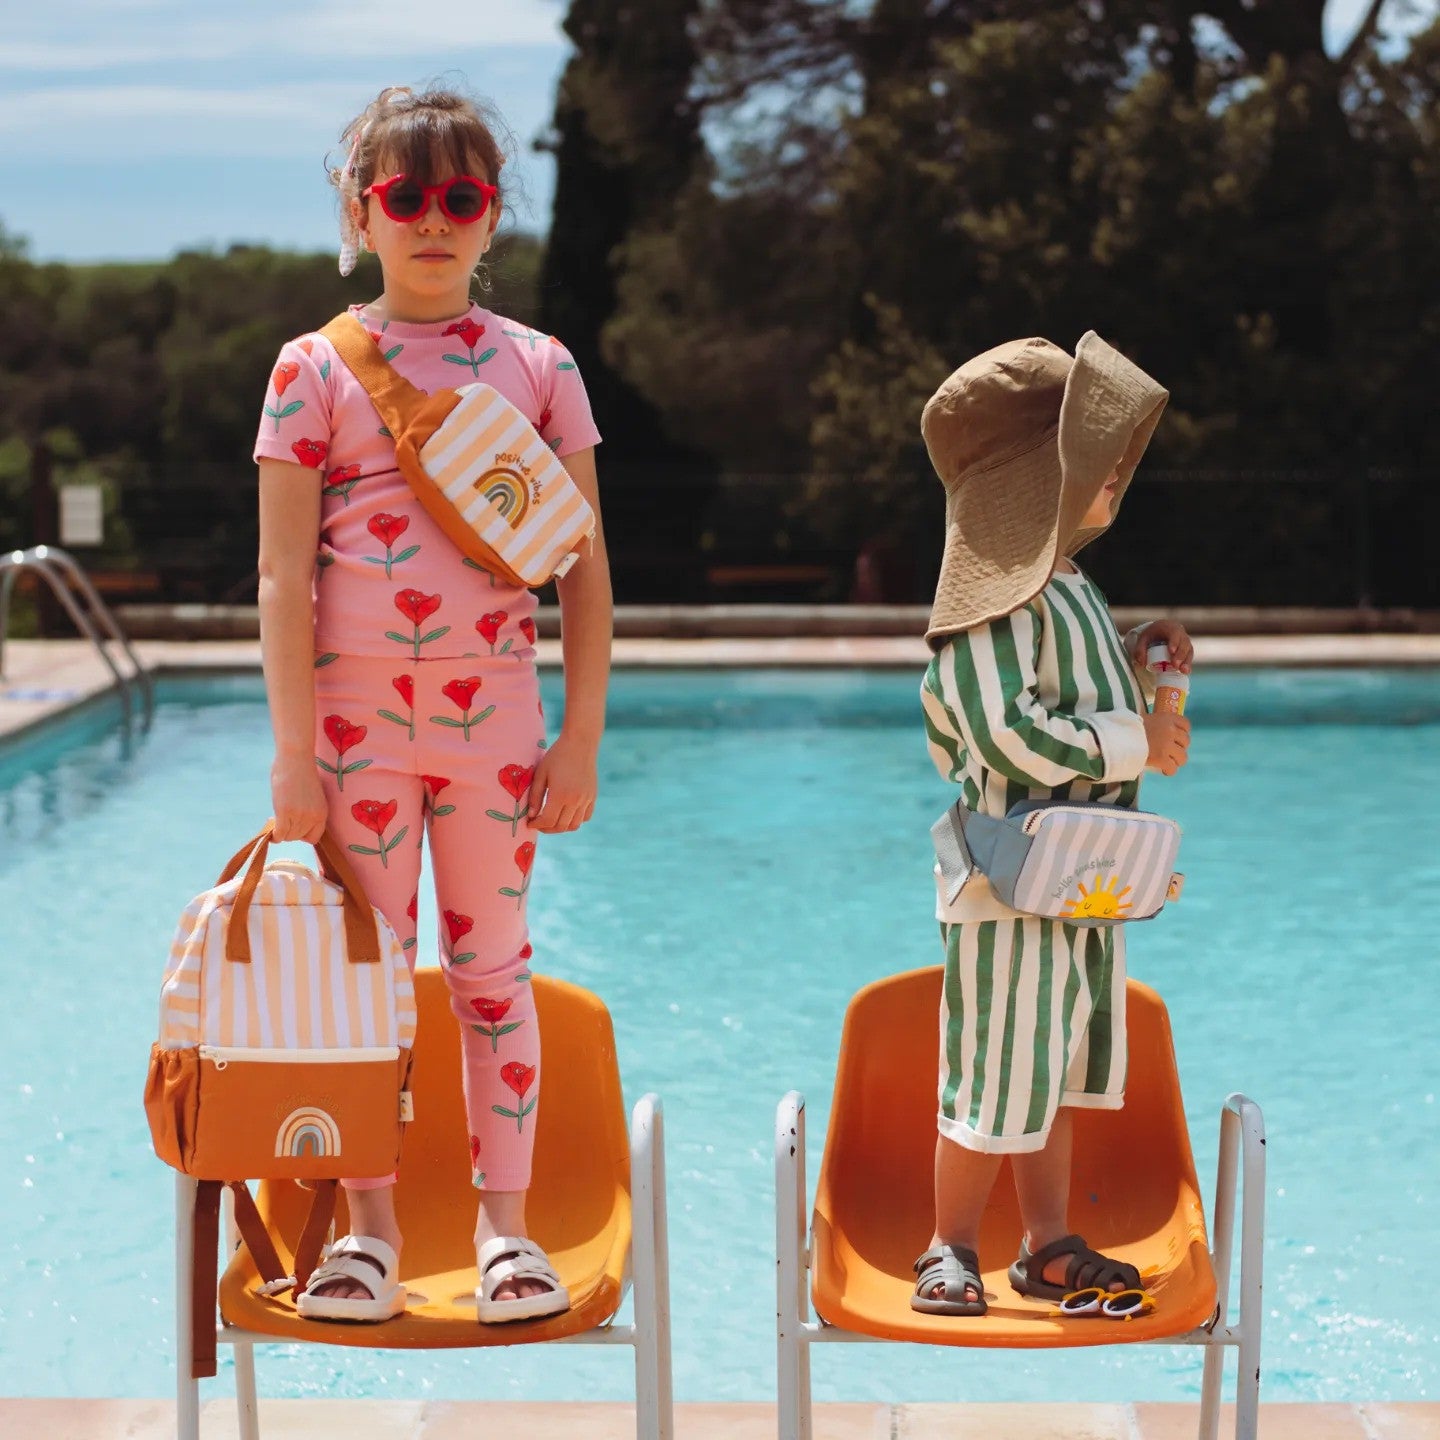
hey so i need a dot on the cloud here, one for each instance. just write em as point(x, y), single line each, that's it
point(81, 36)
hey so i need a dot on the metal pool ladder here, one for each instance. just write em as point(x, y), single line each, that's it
point(72, 586)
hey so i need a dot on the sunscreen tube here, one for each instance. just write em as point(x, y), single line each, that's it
point(1172, 685)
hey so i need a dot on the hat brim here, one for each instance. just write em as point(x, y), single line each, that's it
point(1109, 413)
point(996, 557)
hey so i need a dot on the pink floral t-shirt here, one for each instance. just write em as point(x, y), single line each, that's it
point(388, 581)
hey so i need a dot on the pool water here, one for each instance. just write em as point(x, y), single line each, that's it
point(759, 853)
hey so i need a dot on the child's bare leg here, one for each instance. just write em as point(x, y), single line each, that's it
point(1042, 1185)
point(963, 1181)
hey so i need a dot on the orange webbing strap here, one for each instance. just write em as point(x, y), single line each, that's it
point(393, 396)
point(254, 1234)
point(362, 938)
point(204, 1279)
point(312, 1237)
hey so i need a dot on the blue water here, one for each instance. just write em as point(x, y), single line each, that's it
point(759, 853)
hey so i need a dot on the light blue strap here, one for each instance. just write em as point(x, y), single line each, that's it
point(965, 842)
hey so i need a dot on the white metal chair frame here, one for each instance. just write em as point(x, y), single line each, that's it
point(648, 1276)
point(1242, 1139)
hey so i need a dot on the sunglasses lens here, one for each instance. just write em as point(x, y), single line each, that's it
point(1125, 1302)
point(404, 201)
point(465, 200)
point(1080, 1302)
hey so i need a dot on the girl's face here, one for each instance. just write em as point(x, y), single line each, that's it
point(1102, 505)
point(433, 255)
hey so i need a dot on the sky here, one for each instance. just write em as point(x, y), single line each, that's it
point(131, 129)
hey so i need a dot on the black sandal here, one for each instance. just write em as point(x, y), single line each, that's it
point(957, 1269)
point(1087, 1268)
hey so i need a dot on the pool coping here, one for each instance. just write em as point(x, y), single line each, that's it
point(391, 1419)
point(45, 679)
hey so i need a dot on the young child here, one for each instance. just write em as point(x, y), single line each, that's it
point(401, 676)
point(1032, 694)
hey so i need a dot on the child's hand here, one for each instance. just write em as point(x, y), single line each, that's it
point(1172, 633)
point(1169, 737)
point(562, 795)
point(298, 799)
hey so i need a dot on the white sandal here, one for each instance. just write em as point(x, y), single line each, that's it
point(366, 1261)
point(512, 1257)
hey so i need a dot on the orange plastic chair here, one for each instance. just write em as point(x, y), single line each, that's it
point(580, 1209)
point(1133, 1195)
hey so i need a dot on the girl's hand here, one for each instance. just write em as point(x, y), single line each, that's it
point(1169, 740)
point(562, 794)
point(298, 799)
point(1172, 632)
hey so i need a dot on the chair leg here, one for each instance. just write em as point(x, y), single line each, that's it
point(1252, 1259)
point(187, 1388)
point(792, 1304)
point(650, 1241)
point(246, 1401)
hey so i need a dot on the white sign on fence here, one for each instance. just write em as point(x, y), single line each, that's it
point(82, 515)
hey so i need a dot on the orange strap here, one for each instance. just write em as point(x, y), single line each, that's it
point(393, 395)
point(362, 935)
point(312, 1237)
point(204, 1279)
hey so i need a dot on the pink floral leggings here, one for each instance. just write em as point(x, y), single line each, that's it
point(450, 746)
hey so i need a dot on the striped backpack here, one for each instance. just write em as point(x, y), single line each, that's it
point(287, 1018)
point(477, 465)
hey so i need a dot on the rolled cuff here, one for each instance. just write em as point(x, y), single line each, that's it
point(1124, 748)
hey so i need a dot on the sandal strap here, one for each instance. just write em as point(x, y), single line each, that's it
point(953, 1266)
point(1085, 1268)
point(347, 1268)
point(512, 1257)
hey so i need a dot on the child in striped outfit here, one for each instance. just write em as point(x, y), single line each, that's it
point(1032, 695)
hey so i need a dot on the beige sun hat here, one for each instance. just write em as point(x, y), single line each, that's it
point(1024, 438)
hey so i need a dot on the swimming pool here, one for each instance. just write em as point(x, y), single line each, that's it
point(759, 853)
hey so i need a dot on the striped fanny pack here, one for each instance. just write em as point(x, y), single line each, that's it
point(477, 465)
point(1086, 864)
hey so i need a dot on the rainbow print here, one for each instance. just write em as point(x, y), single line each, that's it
point(308, 1131)
point(507, 491)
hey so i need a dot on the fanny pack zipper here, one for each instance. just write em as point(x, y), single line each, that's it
point(222, 1055)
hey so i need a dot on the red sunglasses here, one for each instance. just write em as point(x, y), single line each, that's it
point(463, 198)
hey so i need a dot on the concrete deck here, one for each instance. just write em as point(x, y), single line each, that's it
point(44, 678)
point(417, 1420)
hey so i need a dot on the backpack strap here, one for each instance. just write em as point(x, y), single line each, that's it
point(205, 1277)
point(393, 395)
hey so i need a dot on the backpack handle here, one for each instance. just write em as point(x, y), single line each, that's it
point(362, 935)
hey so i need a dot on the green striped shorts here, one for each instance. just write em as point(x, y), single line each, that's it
point(1032, 1017)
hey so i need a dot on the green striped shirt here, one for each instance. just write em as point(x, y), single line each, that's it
point(1041, 704)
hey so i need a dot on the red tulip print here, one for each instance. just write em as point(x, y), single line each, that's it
point(307, 345)
point(489, 628)
point(492, 1012)
point(375, 815)
point(434, 784)
point(458, 927)
point(478, 1175)
point(527, 629)
point(341, 481)
point(413, 908)
point(417, 608)
point(470, 334)
point(405, 689)
point(387, 529)
point(310, 453)
point(282, 379)
point(515, 780)
point(545, 418)
point(378, 336)
point(344, 737)
point(519, 1078)
point(462, 692)
point(524, 859)
point(470, 564)
point(527, 950)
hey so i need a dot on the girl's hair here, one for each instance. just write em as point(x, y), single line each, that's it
point(424, 136)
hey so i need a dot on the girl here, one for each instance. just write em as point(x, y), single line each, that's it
point(401, 677)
